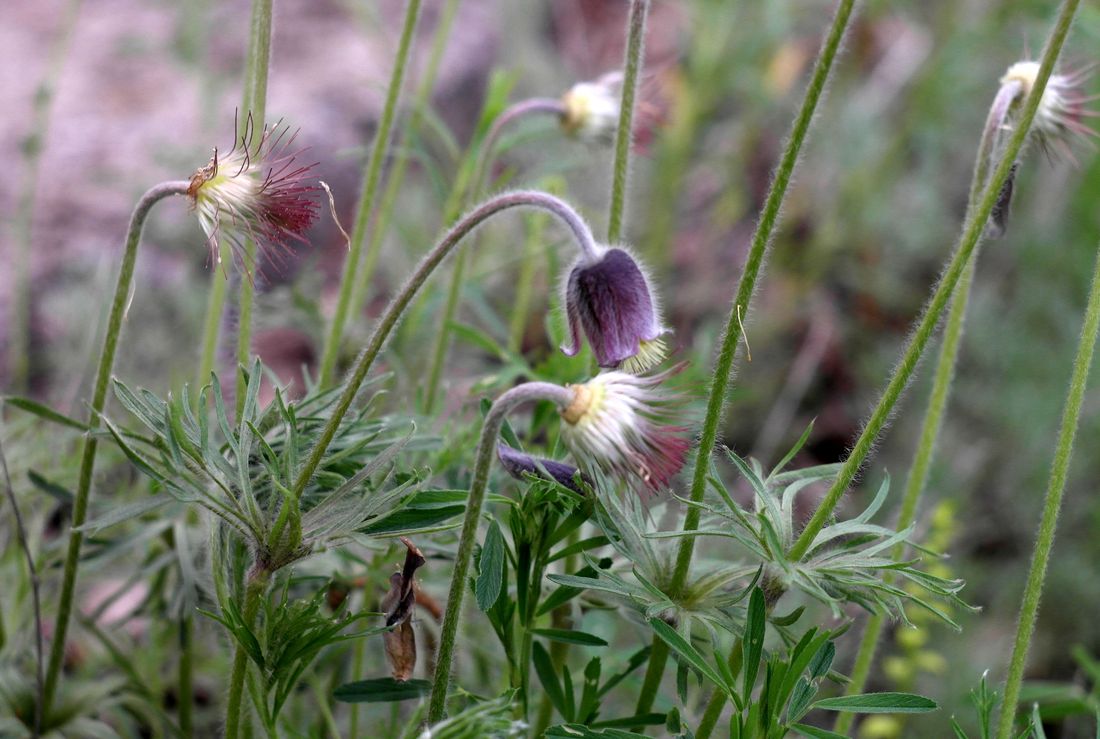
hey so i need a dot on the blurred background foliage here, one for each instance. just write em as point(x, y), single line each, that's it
point(147, 87)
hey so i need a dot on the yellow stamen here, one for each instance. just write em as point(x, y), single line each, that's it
point(650, 353)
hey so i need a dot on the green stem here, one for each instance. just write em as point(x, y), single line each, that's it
point(401, 158)
point(486, 450)
point(253, 598)
point(443, 336)
point(245, 300)
point(861, 669)
point(746, 287)
point(654, 673)
point(1029, 608)
point(918, 476)
point(255, 99)
point(186, 675)
point(461, 194)
point(23, 221)
point(366, 200)
point(582, 236)
point(711, 714)
point(624, 137)
point(941, 391)
point(99, 399)
point(215, 304)
point(356, 674)
point(717, 701)
point(36, 601)
point(972, 233)
point(320, 696)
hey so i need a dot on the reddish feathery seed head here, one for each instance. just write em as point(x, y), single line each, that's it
point(627, 426)
point(256, 191)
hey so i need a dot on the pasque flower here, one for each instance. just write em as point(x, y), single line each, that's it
point(626, 426)
point(257, 191)
point(607, 296)
point(592, 108)
point(1061, 111)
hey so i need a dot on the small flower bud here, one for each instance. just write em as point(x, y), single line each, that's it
point(257, 191)
point(608, 296)
point(592, 109)
point(624, 425)
point(518, 465)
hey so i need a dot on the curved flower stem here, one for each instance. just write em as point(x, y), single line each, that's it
point(253, 598)
point(937, 402)
point(526, 393)
point(99, 399)
point(582, 236)
point(525, 280)
point(401, 160)
point(515, 112)
point(624, 137)
point(366, 201)
point(972, 233)
point(255, 98)
point(723, 368)
point(511, 114)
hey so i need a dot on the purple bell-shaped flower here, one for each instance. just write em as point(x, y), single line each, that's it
point(608, 297)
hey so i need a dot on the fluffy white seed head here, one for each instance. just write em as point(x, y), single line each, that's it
point(592, 109)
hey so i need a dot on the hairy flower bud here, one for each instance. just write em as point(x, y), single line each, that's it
point(1061, 110)
point(592, 109)
point(626, 426)
point(256, 191)
point(608, 297)
point(518, 465)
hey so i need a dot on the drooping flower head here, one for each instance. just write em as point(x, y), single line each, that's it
point(518, 465)
point(1061, 110)
point(626, 426)
point(607, 296)
point(592, 109)
point(256, 191)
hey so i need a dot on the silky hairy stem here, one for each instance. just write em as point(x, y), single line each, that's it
point(723, 368)
point(99, 399)
point(366, 201)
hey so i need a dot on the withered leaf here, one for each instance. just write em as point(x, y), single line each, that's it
point(400, 643)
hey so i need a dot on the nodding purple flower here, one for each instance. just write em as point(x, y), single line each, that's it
point(518, 465)
point(607, 296)
point(257, 191)
point(626, 426)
